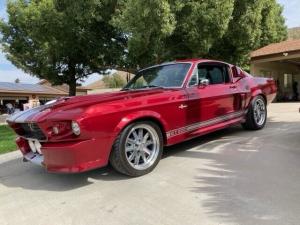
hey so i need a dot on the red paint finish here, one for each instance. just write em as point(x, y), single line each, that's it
point(182, 113)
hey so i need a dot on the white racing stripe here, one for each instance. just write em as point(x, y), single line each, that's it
point(199, 125)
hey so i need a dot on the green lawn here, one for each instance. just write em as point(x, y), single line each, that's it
point(7, 139)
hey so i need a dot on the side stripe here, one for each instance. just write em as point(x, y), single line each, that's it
point(206, 123)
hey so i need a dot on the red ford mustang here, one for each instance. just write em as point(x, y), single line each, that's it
point(161, 106)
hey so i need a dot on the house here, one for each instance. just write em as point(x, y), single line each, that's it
point(80, 90)
point(280, 61)
point(19, 94)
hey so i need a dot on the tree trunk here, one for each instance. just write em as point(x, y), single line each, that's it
point(72, 81)
point(72, 87)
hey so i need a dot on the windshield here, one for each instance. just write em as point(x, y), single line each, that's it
point(164, 76)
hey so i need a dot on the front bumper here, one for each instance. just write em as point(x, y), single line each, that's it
point(66, 157)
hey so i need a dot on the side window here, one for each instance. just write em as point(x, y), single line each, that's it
point(202, 71)
point(216, 74)
point(194, 79)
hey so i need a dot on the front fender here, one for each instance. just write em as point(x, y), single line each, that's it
point(129, 118)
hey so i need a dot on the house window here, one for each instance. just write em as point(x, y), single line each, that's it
point(288, 79)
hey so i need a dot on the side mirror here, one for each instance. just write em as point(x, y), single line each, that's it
point(204, 82)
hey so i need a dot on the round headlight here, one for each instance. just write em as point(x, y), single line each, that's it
point(75, 128)
point(55, 130)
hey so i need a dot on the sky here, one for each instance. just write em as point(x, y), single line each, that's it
point(9, 73)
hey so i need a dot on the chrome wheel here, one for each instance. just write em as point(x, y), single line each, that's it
point(259, 112)
point(142, 146)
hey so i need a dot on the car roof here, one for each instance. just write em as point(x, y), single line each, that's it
point(197, 60)
point(193, 60)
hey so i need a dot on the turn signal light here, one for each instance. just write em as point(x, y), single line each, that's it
point(59, 128)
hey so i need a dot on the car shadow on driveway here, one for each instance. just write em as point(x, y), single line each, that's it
point(248, 177)
point(16, 173)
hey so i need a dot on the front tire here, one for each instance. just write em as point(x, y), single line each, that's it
point(138, 149)
point(256, 117)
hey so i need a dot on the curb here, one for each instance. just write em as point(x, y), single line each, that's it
point(9, 156)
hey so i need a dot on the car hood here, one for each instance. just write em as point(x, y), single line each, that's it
point(87, 100)
point(78, 102)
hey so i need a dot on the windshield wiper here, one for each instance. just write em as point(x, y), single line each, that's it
point(145, 86)
point(126, 89)
point(152, 86)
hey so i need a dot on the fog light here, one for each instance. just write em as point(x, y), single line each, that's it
point(75, 128)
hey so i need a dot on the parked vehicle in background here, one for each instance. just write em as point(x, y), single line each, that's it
point(161, 106)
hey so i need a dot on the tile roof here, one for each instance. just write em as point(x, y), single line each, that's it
point(6, 87)
point(282, 47)
point(63, 87)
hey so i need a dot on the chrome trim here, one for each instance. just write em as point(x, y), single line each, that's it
point(206, 123)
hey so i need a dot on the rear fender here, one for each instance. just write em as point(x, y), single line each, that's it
point(256, 93)
point(253, 95)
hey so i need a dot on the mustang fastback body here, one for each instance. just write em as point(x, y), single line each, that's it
point(162, 105)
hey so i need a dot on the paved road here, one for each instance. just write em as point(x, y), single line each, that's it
point(229, 177)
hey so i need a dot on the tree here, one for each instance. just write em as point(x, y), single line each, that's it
point(223, 29)
point(17, 81)
point(199, 25)
point(162, 29)
point(254, 24)
point(147, 24)
point(62, 41)
point(114, 81)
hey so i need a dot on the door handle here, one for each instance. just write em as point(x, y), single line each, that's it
point(233, 86)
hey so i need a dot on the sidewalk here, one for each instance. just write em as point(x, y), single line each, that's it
point(3, 119)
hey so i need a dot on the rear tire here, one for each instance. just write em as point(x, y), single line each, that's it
point(256, 117)
point(137, 149)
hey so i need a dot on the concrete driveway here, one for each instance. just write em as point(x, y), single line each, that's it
point(229, 177)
